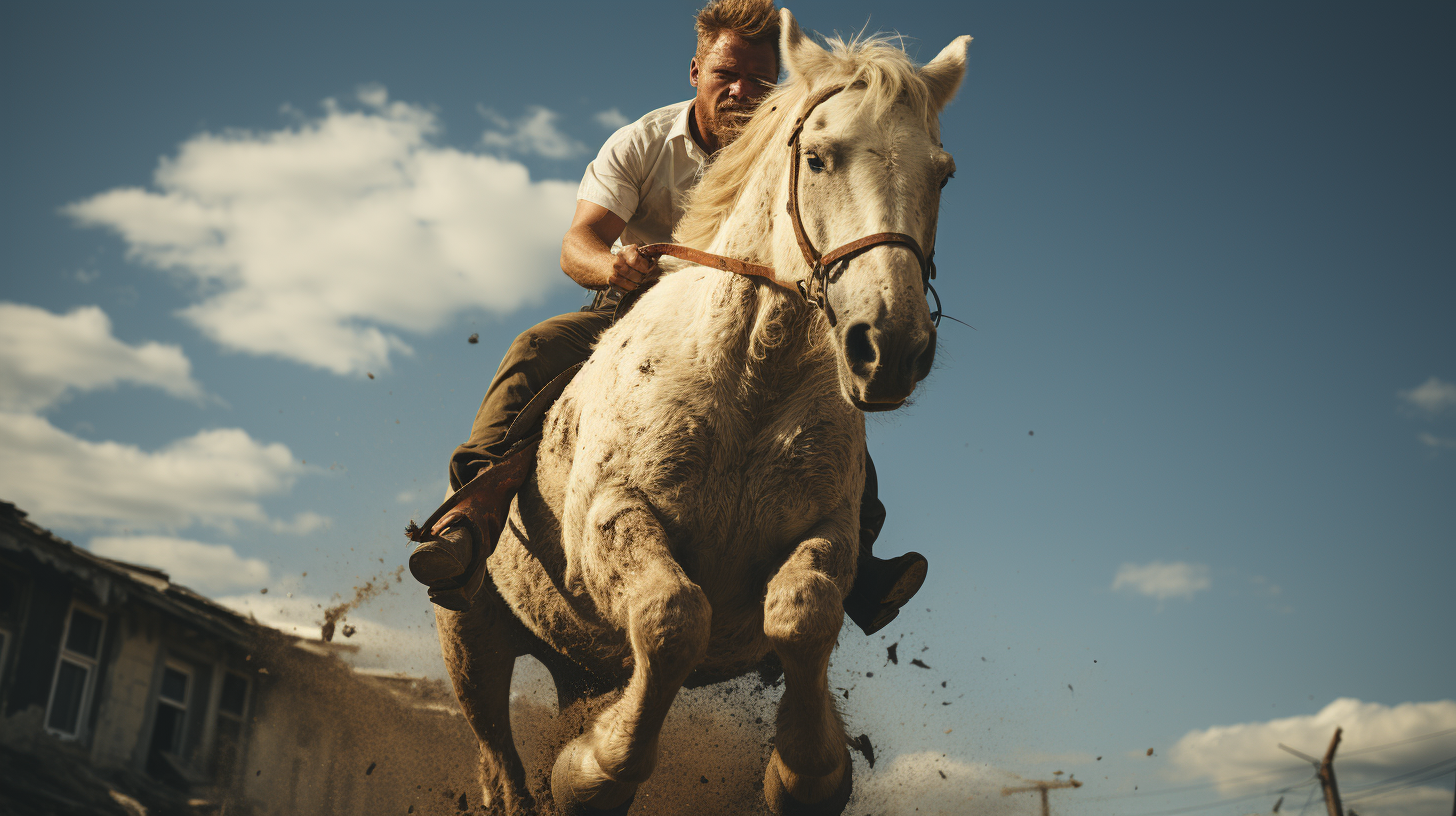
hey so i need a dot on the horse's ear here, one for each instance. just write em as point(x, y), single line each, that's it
point(802, 56)
point(943, 74)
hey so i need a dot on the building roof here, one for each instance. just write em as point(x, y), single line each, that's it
point(112, 581)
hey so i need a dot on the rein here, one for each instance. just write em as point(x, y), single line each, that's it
point(817, 290)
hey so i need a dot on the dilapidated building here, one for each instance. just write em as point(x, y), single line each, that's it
point(111, 674)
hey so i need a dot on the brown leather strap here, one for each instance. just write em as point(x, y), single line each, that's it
point(830, 258)
point(811, 255)
point(697, 256)
point(806, 246)
point(817, 100)
point(817, 289)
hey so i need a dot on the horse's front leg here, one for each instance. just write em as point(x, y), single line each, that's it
point(623, 562)
point(809, 771)
point(480, 654)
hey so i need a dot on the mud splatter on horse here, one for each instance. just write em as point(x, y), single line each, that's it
point(693, 515)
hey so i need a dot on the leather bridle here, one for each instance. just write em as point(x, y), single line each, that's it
point(820, 266)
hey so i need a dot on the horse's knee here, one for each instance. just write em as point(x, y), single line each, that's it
point(802, 608)
point(671, 624)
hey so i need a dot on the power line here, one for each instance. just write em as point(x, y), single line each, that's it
point(1232, 800)
point(1199, 786)
point(1307, 801)
point(1416, 772)
point(1431, 735)
point(1262, 774)
point(1402, 779)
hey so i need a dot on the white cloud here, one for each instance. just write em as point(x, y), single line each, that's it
point(1162, 581)
point(534, 133)
point(320, 243)
point(413, 650)
point(302, 524)
point(611, 119)
point(1434, 396)
point(204, 567)
point(1230, 755)
point(215, 477)
point(1438, 442)
point(44, 356)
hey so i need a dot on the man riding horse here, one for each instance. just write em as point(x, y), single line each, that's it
point(631, 195)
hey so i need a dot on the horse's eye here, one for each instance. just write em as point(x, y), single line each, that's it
point(946, 180)
point(815, 163)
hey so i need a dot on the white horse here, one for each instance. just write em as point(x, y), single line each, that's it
point(694, 509)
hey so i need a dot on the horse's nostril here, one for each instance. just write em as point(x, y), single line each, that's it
point(859, 349)
point(921, 359)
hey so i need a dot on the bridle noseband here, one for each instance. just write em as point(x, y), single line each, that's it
point(820, 266)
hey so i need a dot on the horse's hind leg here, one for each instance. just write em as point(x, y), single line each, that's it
point(667, 618)
point(809, 771)
point(480, 655)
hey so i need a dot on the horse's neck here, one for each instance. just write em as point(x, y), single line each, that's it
point(765, 341)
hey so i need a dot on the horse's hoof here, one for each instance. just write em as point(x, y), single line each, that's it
point(570, 790)
point(782, 803)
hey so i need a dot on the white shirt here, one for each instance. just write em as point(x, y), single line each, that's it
point(644, 172)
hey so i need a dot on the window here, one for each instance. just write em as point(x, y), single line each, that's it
point(230, 707)
point(234, 694)
point(7, 615)
point(168, 733)
point(75, 671)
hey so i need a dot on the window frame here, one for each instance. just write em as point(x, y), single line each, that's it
point(241, 715)
point(9, 637)
point(190, 672)
point(91, 665)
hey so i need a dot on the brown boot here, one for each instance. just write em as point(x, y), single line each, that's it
point(457, 538)
point(882, 587)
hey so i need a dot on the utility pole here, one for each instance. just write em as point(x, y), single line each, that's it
point(1043, 787)
point(1326, 770)
point(1327, 778)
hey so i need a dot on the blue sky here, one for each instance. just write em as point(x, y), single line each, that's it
point(1203, 432)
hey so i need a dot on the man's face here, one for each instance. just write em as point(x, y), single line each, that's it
point(731, 78)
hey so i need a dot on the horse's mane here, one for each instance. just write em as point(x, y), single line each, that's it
point(874, 64)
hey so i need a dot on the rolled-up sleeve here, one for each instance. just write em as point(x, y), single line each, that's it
point(614, 178)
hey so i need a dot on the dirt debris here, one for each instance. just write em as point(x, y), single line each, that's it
point(865, 748)
point(370, 589)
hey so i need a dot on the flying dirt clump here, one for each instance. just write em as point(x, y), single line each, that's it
point(365, 592)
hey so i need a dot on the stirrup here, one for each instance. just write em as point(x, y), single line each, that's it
point(478, 509)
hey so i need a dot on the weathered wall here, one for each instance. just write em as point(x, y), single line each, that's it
point(127, 690)
point(326, 741)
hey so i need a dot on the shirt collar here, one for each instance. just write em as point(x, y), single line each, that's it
point(681, 130)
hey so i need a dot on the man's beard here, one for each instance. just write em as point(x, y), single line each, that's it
point(729, 120)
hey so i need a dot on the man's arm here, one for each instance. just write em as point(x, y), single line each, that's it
point(586, 251)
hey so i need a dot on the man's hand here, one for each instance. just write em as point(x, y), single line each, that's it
point(586, 253)
point(631, 269)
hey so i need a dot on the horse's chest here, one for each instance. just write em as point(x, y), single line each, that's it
point(773, 480)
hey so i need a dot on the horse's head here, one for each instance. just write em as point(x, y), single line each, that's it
point(869, 165)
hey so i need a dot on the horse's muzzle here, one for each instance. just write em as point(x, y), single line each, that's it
point(885, 366)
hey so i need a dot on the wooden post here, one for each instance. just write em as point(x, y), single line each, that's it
point(1327, 778)
point(1043, 787)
